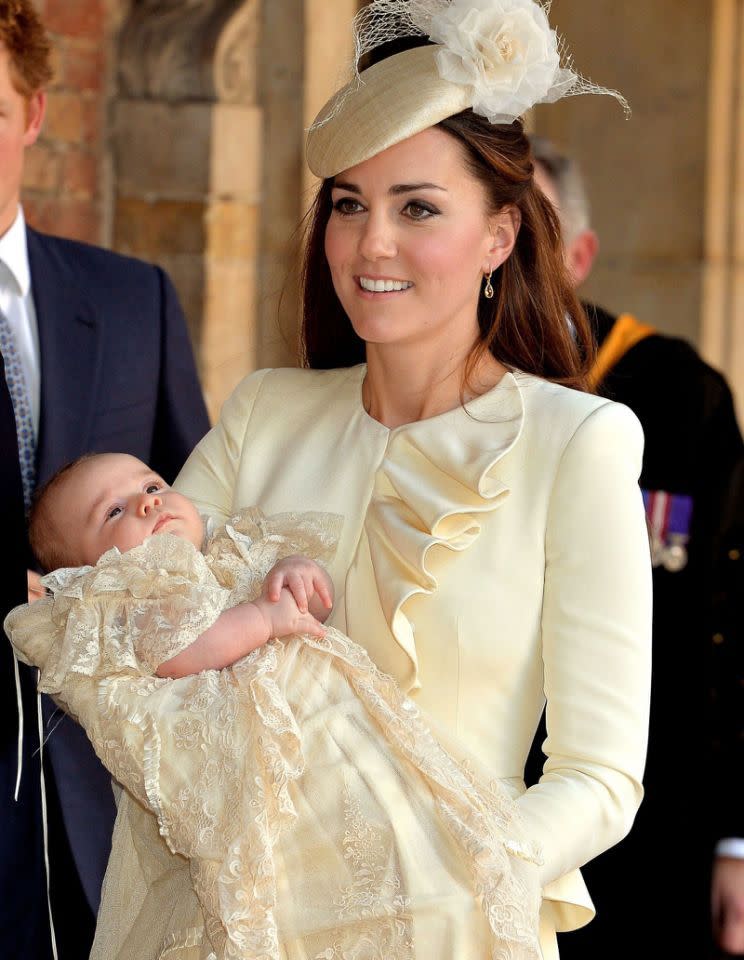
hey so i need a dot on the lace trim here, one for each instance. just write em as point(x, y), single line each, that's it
point(374, 890)
point(241, 553)
point(481, 816)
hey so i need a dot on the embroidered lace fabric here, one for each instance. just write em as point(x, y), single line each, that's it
point(318, 815)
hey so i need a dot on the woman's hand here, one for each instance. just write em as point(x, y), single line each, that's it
point(305, 580)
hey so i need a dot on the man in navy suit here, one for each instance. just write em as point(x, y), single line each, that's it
point(96, 357)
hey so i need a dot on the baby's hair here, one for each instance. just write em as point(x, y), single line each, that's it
point(45, 542)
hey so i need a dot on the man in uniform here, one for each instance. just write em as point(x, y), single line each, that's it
point(652, 892)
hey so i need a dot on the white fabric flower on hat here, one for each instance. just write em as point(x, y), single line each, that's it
point(505, 50)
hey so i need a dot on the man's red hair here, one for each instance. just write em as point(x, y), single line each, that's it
point(23, 35)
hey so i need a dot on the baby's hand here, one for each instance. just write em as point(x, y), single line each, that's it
point(304, 578)
point(284, 617)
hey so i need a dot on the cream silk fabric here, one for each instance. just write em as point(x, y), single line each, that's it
point(490, 557)
point(319, 816)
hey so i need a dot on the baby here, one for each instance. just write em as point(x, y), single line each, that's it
point(113, 500)
point(316, 813)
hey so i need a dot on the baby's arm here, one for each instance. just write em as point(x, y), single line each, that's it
point(238, 631)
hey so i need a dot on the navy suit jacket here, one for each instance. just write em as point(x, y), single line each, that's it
point(117, 374)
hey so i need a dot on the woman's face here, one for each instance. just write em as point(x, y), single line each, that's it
point(409, 240)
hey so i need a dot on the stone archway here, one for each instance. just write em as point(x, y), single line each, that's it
point(723, 278)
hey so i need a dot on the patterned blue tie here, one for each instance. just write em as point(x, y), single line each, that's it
point(18, 390)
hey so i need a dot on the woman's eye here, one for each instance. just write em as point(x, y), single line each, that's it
point(419, 211)
point(346, 206)
point(113, 512)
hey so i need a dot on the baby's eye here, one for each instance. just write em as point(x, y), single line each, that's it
point(113, 512)
point(347, 205)
point(152, 488)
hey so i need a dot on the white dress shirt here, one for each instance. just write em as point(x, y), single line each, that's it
point(731, 847)
point(17, 304)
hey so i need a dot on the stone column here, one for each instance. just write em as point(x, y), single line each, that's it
point(187, 146)
point(281, 65)
point(306, 49)
point(722, 339)
point(328, 53)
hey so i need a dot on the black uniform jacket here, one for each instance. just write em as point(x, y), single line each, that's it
point(693, 795)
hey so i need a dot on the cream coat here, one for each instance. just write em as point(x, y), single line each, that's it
point(491, 558)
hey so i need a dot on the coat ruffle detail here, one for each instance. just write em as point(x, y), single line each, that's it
point(435, 481)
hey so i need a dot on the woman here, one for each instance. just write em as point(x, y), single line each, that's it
point(494, 553)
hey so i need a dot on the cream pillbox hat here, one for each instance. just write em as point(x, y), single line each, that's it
point(498, 57)
point(398, 98)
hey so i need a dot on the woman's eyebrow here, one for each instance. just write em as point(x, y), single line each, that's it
point(395, 190)
point(343, 185)
point(413, 187)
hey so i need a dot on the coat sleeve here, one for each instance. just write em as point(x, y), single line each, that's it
point(596, 646)
point(181, 418)
point(210, 475)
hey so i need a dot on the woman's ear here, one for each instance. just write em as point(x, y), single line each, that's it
point(504, 228)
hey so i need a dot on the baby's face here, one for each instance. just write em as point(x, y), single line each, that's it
point(115, 500)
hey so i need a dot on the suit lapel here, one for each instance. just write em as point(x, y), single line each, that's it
point(70, 345)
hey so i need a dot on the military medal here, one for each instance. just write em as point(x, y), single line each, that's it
point(669, 516)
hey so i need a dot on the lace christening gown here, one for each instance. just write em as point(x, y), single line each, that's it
point(317, 814)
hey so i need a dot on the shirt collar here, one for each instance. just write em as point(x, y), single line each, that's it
point(14, 254)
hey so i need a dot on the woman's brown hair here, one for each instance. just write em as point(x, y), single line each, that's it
point(534, 323)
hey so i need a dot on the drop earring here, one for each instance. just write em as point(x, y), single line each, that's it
point(488, 289)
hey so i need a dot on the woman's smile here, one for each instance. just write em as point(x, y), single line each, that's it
point(375, 286)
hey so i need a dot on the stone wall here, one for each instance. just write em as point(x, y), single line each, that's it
point(67, 175)
point(646, 174)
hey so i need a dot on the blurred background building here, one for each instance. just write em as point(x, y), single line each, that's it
point(175, 132)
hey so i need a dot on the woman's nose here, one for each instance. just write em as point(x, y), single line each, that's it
point(378, 239)
point(147, 502)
